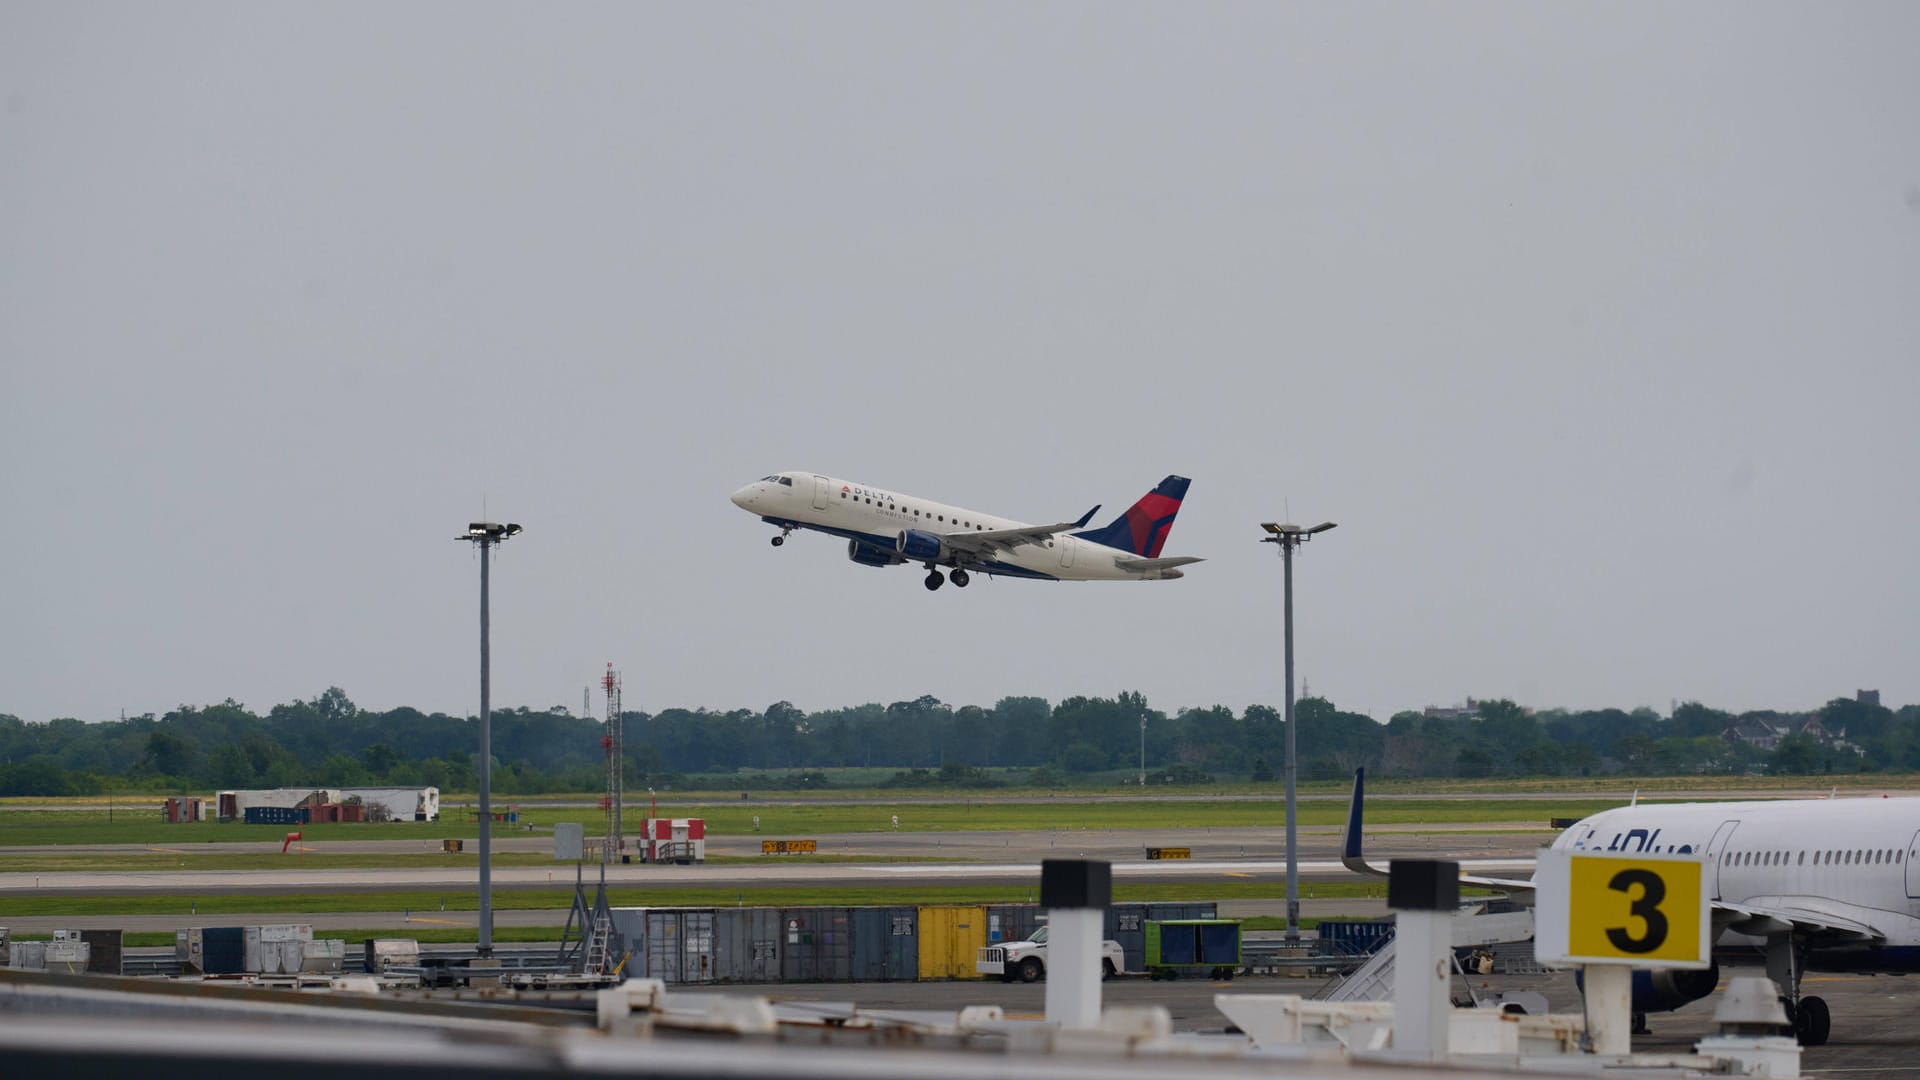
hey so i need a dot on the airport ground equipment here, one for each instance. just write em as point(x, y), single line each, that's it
point(1026, 959)
point(1193, 947)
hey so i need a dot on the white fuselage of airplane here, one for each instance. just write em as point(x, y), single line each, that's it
point(1851, 862)
point(873, 520)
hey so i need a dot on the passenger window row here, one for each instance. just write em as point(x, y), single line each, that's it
point(1877, 857)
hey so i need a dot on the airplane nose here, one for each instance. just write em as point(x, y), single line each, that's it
point(744, 497)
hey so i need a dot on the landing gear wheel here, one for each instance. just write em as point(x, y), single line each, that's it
point(1812, 1022)
point(1106, 970)
point(1030, 970)
point(778, 540)
point(934, 580)
point(960, 578)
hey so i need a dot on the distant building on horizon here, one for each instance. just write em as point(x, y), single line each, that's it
point(1765, 731)
point(1449, 712)
point(1867, 697)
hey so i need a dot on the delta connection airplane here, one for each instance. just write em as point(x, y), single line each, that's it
point(1808, 884)
point(884, 529)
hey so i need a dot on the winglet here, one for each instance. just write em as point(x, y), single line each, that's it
point(1086, 517)
point(1350, 853)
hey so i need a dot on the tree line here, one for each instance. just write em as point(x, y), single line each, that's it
point(329, 741)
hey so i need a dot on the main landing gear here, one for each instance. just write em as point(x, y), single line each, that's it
point(934, 580)
point(1810, 1018)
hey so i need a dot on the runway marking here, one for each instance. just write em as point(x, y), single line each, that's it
point(166, 850)
point(1237, 873)
point(436, 922)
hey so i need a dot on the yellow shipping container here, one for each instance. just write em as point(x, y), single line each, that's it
point(950, 941)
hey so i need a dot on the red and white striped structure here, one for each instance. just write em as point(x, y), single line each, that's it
point(674, 840)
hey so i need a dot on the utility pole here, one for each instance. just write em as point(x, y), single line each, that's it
point(1290, 537)
point(486, 535)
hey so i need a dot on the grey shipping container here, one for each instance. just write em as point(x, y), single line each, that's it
point(680, 945)
point(746, 945)
point(67, 957)
point(1012, 922)
point(28, 956)
point(379, 954)
point(327, 956)
point(1127, 924)
point(630, 941)
point(886, 944)
point(816, 945)
point(276, 948)
point(105, 946)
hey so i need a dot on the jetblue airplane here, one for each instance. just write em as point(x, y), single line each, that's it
point(1809, 885)
point(884, 528)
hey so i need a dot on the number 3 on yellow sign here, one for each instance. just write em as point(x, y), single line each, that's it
point(1645, 910)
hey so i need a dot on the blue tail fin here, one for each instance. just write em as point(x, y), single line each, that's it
point(1143, 529)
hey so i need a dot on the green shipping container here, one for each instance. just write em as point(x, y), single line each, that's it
point(1196, 947)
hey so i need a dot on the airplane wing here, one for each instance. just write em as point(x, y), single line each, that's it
point(1142, 566)
point(987, 544)
point(1765, 920)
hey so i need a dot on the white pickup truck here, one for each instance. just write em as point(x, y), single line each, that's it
point(1027, 960)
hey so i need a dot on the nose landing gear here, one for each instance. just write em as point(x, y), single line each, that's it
point(782, 538)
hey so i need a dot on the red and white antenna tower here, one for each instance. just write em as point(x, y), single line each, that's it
point(610, 850)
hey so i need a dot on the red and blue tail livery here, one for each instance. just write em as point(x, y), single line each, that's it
point(1143, 529)
point(886, 528)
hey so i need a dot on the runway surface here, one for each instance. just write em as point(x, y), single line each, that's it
point(987, 857)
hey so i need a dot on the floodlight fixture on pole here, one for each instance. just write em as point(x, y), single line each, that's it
point(486, 535)
point(1289, 537)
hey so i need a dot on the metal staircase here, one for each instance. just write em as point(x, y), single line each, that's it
point(1372, 982)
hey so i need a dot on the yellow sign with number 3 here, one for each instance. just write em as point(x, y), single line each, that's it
point(1634, 909)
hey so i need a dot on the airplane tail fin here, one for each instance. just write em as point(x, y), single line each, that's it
point(1143, 529)
point(1351, 855)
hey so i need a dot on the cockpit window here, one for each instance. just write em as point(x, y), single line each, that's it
point(787, 480)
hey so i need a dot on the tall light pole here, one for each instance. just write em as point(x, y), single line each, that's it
point(1290, 537)
point(1143, 751)
point(486, 535)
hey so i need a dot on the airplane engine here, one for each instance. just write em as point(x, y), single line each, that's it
point(1667, 990)
point(921, 546)
point(868, 555)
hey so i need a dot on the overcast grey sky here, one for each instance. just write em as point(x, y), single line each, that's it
point(1596, 327)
